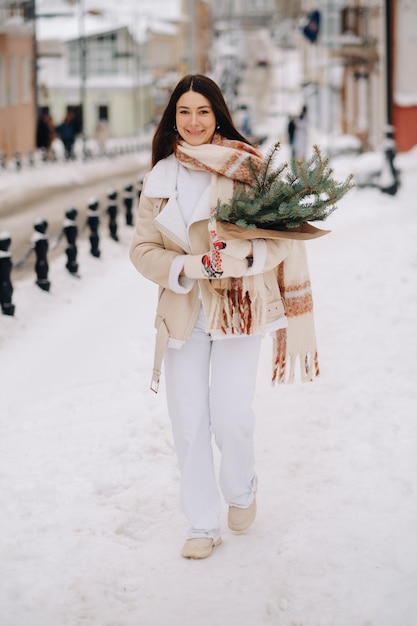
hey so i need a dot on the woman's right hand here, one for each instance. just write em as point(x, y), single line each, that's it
point(214, 264)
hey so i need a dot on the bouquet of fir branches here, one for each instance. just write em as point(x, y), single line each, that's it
point(284, 198)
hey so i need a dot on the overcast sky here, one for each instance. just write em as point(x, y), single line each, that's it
point(138, 14)
point(162, 8)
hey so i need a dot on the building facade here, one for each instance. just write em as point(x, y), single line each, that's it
point(403, 29)
point(362, 71)
point(344, 68)
point(101, 77)
point(123, 74)
point(358, 74)
point(17, 94)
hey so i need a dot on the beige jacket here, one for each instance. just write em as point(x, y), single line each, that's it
point(157, 251)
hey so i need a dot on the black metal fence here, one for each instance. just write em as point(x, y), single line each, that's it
point(119, 205)
point(88, 152)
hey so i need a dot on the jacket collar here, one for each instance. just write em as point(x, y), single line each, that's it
point(162, 179)
point(162, 183)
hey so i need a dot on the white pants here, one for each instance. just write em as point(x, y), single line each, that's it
point(210, 385)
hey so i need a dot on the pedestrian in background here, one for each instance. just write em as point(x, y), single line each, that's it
point(291, 132)
point(246, 127)
point(67, 132)
point(102, 135)
point(45, 133)
point(301, 135)
point(216, 300)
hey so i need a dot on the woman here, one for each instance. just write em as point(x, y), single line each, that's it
point(216, 299)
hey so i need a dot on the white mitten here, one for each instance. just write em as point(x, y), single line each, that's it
point(214, 264)
point(238, 248)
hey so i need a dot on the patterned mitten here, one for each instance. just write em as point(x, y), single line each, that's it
point(214, 264)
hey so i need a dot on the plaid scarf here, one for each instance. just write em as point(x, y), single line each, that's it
point(239, 305)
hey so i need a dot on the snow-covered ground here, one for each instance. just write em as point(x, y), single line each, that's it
point(91, 529)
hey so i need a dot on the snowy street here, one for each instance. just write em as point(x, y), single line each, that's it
point(91, 527)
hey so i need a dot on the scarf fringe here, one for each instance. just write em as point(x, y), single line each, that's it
point(239, 309)
point(284, 370)
point(288, 352)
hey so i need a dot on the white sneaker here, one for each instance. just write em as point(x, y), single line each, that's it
point(240, 519)
point(199, 547)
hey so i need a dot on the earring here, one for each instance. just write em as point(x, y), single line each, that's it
point(218, 127)
point(175, 129)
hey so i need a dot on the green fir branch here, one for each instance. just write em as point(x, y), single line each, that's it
point(285, 197)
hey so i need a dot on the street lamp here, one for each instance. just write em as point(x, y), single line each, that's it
point(83, 73)
point(82, 12)
point(388, 52)
point(389, 143)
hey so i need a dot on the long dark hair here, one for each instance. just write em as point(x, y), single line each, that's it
point(165, 137)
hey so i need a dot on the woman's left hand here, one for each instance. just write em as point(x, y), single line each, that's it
point(238, 248)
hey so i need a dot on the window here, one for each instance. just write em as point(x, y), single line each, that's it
point(101, 57)
point(103, 112)
point(13, 83)
point(26, 80)
point(3, 99)
point(74, 59)
point(355, 21)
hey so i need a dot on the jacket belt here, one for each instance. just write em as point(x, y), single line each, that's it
point(161, 342)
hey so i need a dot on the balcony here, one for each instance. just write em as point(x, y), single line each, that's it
point(16, 12)
point(355, 45)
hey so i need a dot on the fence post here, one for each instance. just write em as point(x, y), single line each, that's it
point(139, 187)
point(40, 244)
point(112, 213)
point(389, 180)
point(93, 221)
point(71, 232)
point(128, 202)
point(18, 161)
point(6, 287)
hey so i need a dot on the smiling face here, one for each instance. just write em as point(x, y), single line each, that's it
point(195, 119)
